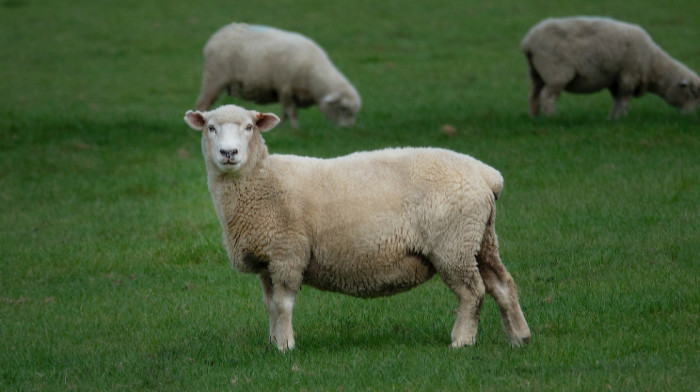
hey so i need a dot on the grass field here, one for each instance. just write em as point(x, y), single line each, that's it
point(112, 272)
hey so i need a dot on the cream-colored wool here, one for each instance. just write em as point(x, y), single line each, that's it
point(367, 224)
point(267, 65)
point(588, 54)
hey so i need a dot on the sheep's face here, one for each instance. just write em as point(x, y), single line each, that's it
point(229, 134)
point(341, 109)
point(692, 91)
point(685, 95)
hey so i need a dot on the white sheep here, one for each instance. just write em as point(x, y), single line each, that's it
point(267, 65)
point(368, 224)
point(588, 54)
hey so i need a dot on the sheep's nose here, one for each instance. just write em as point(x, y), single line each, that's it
point(229, 153)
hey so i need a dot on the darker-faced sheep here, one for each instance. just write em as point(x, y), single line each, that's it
point(588, 54)
point(368, 224)
point(267, 65)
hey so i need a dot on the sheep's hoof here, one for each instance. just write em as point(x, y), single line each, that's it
point(520, 341)
point(286, 346)
point(284, 349)
point(462, 342)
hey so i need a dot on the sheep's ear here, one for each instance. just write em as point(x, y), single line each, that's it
point(694, 89)
point(195, 120)
point(330, 98)
point(266, 121)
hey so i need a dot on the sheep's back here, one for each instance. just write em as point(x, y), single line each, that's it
point(260, 50)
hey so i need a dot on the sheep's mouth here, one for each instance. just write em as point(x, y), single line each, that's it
point(229, 165)
point(228, 162)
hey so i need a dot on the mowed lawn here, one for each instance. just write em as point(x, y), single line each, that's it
point(112, 271)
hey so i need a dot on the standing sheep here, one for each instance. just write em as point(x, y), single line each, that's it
point(368, 224)
point(267, 65)
point(588, 54)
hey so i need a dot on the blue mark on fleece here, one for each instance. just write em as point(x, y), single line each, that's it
point(257, 28)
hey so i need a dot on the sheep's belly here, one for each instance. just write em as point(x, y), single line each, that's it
point(590, 82)
point(370, 279)
point(253, 93)
point(265, 94)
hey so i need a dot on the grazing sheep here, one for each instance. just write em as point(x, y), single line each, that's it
point(267, 65)
point(368, 224)
point(588, 54)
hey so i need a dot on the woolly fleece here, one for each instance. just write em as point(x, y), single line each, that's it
point(367, 224)
point(588, 54)
point(267, 65)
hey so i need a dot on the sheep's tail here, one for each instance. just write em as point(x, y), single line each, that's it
point(534, 75)
point(493, 178)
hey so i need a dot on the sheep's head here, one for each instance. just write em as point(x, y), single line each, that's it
point(230, 134)
point(690, 90)
point(685, 93)
point(341, 108)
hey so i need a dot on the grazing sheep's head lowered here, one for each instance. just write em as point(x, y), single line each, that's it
point(685, 94)
point(587, 54)
point(341, 108)
point(229, 133)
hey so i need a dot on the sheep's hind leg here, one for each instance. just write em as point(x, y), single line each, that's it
point(536, 89)
point(467, 323)
point(548, 99)
point(465, 282)
point(289, 109)
point(212, 85)
point(554, 78)
point(500, 285)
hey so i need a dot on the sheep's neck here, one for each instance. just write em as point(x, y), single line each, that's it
point(660, 79)
point(229, 189)
point(321, 90)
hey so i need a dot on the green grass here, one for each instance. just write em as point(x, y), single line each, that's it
point(112, 273)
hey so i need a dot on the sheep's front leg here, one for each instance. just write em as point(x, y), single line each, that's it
point(266, 283)
point(620, 107)
point(281, 306)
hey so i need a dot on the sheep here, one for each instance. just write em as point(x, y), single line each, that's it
point(367, 224)
point(267, 65)
point(588, 54)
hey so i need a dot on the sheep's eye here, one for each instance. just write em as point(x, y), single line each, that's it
point(249, 127)
point(212, 129)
